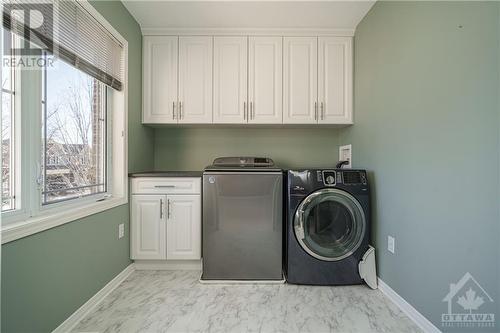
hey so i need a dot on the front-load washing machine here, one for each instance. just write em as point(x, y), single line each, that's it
point(328, 228)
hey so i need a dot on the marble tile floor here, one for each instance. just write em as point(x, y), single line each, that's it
point(175, 301)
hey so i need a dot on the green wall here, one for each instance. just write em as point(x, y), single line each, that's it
point(427, 127)
point(195, 148)
point(47, 276)
point(427, 123)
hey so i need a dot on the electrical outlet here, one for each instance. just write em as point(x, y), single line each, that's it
point(121, 230)
point(391, 244)
point(345, 154)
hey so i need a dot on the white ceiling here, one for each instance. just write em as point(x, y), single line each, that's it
point(187, 14)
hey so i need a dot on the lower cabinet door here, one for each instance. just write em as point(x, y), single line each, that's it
point(184, 227)
point(148, 220)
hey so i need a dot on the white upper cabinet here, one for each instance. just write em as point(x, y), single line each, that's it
point(265, 99)
point(300, 80)
point(183, 227)
point(335, 80)
point(230, 80)
point(160, 79)
point(247, 80)
point(195, 79)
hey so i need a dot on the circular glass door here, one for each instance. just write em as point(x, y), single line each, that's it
point(329, 224)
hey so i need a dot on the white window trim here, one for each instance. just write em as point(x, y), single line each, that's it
point(25, 226)
point(17, 135)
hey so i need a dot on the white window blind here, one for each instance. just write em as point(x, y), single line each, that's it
point(70, 33)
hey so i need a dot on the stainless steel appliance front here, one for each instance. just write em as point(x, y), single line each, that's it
point(242, 225)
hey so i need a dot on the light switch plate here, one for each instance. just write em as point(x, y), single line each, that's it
point(345, 154)
point(121, 230)
point(391, 244)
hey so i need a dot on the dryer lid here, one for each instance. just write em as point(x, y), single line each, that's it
point(249, 162)
point(242, 164)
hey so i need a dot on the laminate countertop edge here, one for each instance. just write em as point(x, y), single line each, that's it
point(166, 174)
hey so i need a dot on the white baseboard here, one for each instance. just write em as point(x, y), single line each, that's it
point(406, 307)
point(168, 265)
point(70, 323)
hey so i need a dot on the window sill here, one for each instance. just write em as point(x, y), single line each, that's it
point(17, 230)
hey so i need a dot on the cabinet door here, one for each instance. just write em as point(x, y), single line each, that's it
point(300, 80)
point(335, 80)
point(148, 234)
point(265, 95)
point(195, 79)
point(230, 80)
point(183, 227)
point(160, 79)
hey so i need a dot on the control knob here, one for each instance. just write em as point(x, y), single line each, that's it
point(330, 180)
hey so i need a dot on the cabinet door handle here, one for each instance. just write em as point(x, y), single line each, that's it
point(322, 111)
point(180, 110)
point(252, 110)
point(315, 110)
point(164, 186)
point(244, 110)
point(173, 110)
point(168, 208)
point(161, 208)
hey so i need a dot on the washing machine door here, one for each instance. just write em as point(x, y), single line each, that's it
point(330, 224)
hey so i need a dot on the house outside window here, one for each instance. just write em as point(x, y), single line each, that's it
point(74, 142)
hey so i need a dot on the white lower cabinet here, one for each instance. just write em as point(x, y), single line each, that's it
point(148, 237)
point(166, 226)
point(183, 227)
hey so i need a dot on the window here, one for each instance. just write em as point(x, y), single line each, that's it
point(64, 119)
point(74, 138)
point(8, 133)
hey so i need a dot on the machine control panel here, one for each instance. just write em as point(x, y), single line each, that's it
point(354, 177)
point(250, 162)
point(329, 177)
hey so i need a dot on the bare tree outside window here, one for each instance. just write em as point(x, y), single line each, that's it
point(74, 134)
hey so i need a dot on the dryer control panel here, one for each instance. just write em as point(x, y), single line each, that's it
point(346, 177)
point(329, 177)
point(354, 177)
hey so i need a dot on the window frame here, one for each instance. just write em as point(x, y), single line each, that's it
point(33, 217)
point(45, 206)
point(16, 135)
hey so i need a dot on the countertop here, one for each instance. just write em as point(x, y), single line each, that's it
point(166, 174)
